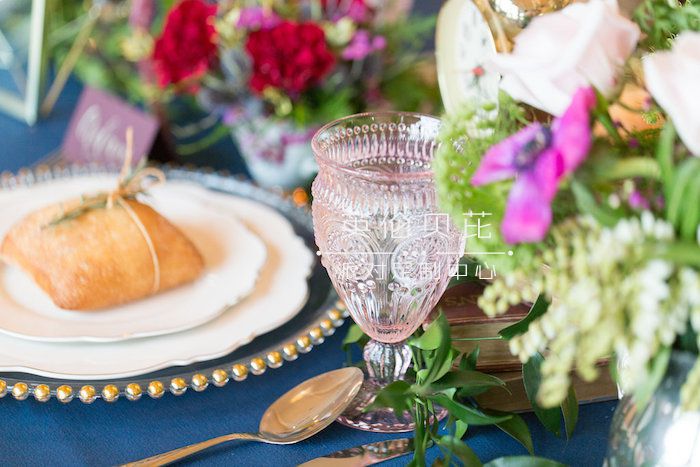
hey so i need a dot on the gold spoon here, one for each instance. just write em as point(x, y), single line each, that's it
point(299, 414)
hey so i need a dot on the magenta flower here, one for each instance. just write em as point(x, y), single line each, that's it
point(362, 44)
point(538, 157)
point(257, 17)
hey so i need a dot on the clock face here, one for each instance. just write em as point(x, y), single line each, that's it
point(463, 43)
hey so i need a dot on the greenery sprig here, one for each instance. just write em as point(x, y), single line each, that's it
point(442, 376)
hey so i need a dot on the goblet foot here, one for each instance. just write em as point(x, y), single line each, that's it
point(382, 420)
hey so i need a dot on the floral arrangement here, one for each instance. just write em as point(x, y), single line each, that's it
point(270, 71)
point(591, 171)
point(304, 63)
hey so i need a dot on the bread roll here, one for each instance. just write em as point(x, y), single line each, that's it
point(101, 258)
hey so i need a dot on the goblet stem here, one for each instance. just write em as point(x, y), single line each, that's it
point(386, 362)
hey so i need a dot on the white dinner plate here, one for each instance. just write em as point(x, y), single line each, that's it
point(232, 254)
point(279, 294)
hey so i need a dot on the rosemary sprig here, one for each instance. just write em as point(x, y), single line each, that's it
point(128, 187)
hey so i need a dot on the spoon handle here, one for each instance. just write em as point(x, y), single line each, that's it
point(180, 453)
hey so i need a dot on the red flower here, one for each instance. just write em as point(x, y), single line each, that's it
point(186, 49)
point(290, 56)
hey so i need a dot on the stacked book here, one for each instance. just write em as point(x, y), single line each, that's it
point(468, 321)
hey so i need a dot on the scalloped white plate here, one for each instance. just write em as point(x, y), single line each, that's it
point(233, 257)
point(279, 294)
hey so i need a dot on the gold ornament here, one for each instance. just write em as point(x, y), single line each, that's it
point(239, 372)
point(178, 386)
point(156, 389)
point(133, 392)
point(290, 352)
point(304, 344)
point(274, 359)
point(42, 393)
point(20, 391)
point(336, 317)
point(219, 377)
point(316, 335)
point(327, 327)
point(110, 393)
point(64, 393)
point(3, 388)
point(199, 382)
point(257, 366)
point(87, 394)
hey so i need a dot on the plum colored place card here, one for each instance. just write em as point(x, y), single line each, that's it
point(97, 130)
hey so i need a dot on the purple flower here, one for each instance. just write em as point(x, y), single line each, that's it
point(637, 200)
point(257, 17)
point(538, 157)
point(362, 44)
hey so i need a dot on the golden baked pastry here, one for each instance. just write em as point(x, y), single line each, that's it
point(101, 257)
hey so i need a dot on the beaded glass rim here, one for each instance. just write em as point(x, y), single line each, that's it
point(318, 320)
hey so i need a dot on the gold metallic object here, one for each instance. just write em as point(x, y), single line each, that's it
point(518, 13)
point(64, 393)
point(20, 391)
point(156, 389)
point(327, 327)
point(274, 359)
point(110, 393)
point(257, 366)
point(304, 344)
point(199, 382)
point(316, 335)
point(290, 352)
point(87, 394)
point(239, 372)
point(133, 391)
point(42, 393)
point(219, 377)
point(178, 386)
point(297, 415)
point(3, 388)
point(336, 317)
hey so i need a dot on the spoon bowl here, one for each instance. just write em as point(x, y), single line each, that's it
point(297, 415)
point(310, 407)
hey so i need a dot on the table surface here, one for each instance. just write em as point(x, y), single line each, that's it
point(105, 434)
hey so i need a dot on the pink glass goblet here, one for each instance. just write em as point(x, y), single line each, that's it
point(386, 246)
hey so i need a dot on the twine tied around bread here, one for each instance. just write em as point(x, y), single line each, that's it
point(131, 183)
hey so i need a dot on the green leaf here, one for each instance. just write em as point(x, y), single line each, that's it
point(355, 335)
point(395, 395)
point(517, 429)
point(569, 409)
point(458, 448)
point(691, 207)
point(468, 415)
point(550, 418)
point(538, 309)
point(460, 429)
point(433, 336)
point(471, 360)
point(586, 203)
point(468, 382)
point(644, 391)
point(681, 179)
point(664, 155)
point(679, 252)
point(523, 461)
point(444, 354)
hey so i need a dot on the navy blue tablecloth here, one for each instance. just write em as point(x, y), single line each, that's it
point(103, 434)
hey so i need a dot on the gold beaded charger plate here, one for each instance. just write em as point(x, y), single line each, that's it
point(234, 257)
point(319, 315)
